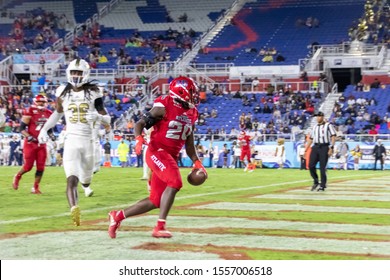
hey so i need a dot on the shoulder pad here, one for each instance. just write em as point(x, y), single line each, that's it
point(97, 94)
point(100, 92)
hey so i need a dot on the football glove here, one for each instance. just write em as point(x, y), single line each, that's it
point(31, 139)
point(139, 141)
point(198, 165)
point(43, 137)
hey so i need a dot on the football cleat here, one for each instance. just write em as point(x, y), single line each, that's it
point(114, 225)
point(161, 233)
point(15, 183)
point(75, 214)
point(315, 185)
point(88, 192)
point(35, 191)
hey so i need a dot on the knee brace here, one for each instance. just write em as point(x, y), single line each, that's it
point(38, 173)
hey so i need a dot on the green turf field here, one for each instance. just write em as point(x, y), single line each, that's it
point(267, 214)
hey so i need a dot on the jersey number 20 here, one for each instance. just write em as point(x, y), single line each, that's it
point(178, 131)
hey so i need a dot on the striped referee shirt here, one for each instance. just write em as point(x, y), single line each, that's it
point(322, 133)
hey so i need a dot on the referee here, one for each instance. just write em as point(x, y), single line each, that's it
point(323, 137)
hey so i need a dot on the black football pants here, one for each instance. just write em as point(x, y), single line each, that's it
point(319, 153)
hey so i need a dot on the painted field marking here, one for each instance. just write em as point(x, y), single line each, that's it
point(361, 186)
point(29, 219)
point(189, 222)
point(342, 191)
point(327, 196)
point(47, 245)
point(229, 206)
point(91, 245)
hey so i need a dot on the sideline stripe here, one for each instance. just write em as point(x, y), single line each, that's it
point(327, 196)
point(191, 222)
point(342, 191)
point(229, 206)
point(177, 198)
point(361, 186)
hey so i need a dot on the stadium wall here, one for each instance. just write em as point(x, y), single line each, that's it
point(266, 151)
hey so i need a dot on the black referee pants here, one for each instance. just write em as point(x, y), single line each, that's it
point(319, 153)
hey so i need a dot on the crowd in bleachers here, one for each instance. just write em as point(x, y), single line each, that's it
point(96, 45)
point(35, 29)
point(373, 26)
point(363, 110)
point(269, 114)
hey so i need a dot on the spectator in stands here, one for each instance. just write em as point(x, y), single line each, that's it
point(280, 57)
point(248, 124)
point(268, 58)
point(352, 129)
point(42, 63)
point(375, 118)
point(349, 121)
point(214, 113)
point(205, 112)
point(255, 125)
point(315, 23)
point(255, 84)
point(202, 93)
point(375, 84)
point(209, 134)
point(359, 86)
point(42, 82)
point(242, 125)
point(373, 131)
point(304, 79)
point(267, 109)
point(183, 18)
point(102, 59)
point(286, 129)
point(257, 109)
point(202, 120)
point(239, 95)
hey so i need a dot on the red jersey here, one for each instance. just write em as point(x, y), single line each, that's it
point(245, 142)
point(37, 120)
point(172, 131)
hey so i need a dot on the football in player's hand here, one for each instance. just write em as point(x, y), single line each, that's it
point(196, 177)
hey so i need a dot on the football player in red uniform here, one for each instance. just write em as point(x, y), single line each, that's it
point(244, 141)
point(172, 118)
point(32, 122)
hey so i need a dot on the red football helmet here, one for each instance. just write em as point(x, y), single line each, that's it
point(38, 101)
point(186, 90)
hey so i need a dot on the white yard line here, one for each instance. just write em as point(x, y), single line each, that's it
point(343, 191)
point(327, 196)
point(189, 222)
point(272, 207)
